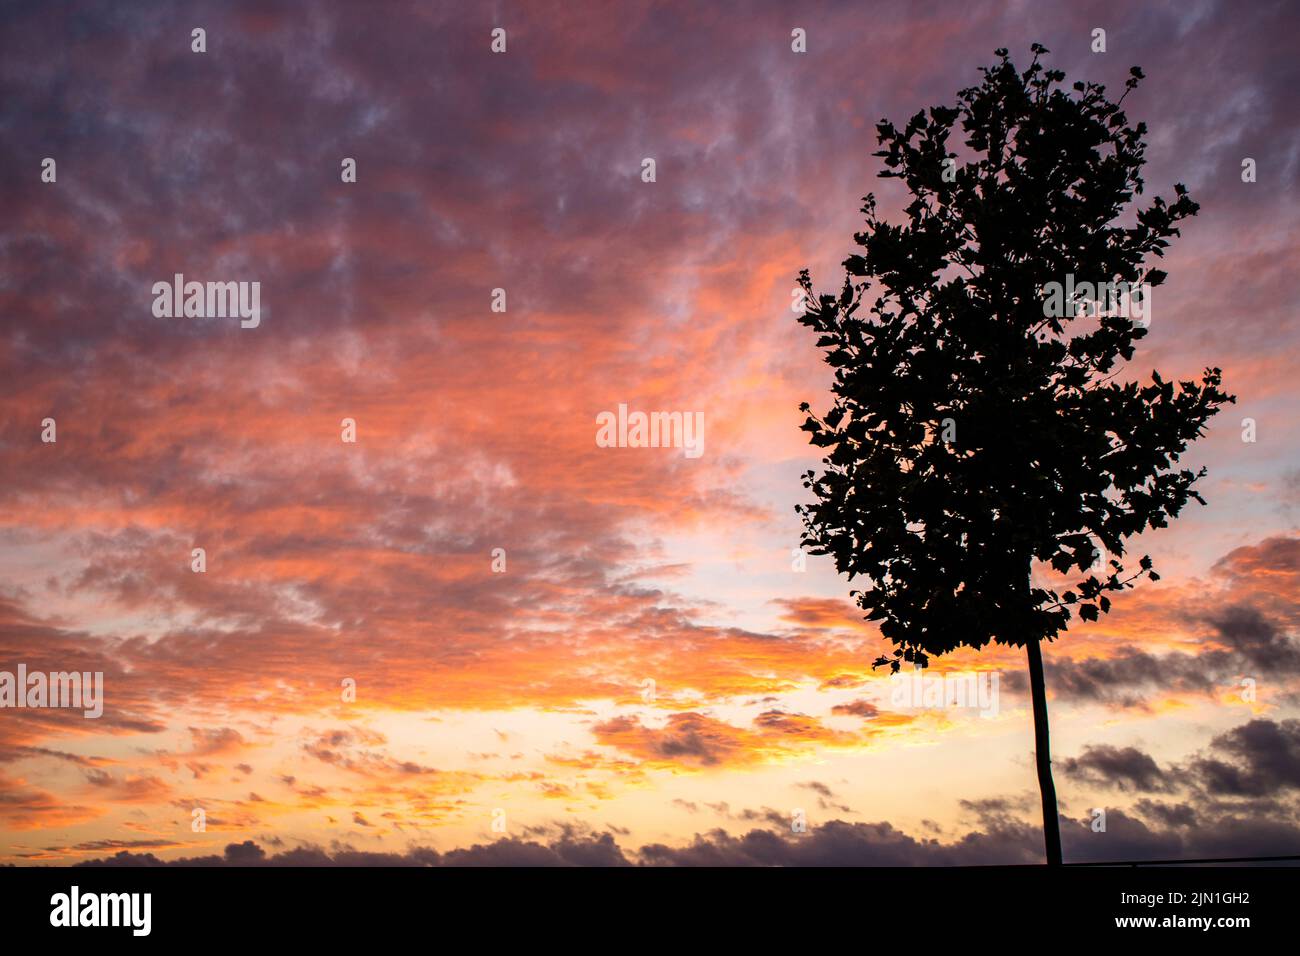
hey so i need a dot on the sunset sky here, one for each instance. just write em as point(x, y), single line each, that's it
point(524, 695)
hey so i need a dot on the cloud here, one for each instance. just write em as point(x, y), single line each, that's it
point(857, 708)
point(700, 741)
point(1126, 768)
point(24, 807)
point(1242, 786)
point(1257, 759)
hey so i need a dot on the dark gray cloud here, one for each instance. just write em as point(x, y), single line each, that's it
point(1126, 768)
point(997, 840)
point(1257, 759)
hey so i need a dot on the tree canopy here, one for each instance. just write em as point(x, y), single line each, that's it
point(972, 432)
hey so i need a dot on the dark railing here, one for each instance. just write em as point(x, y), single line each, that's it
point(1225, 859)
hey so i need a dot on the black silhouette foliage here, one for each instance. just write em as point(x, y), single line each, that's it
point(940, 326)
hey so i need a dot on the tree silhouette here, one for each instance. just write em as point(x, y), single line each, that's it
point(973, 431)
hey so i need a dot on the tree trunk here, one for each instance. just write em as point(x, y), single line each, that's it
point(1043, 755)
